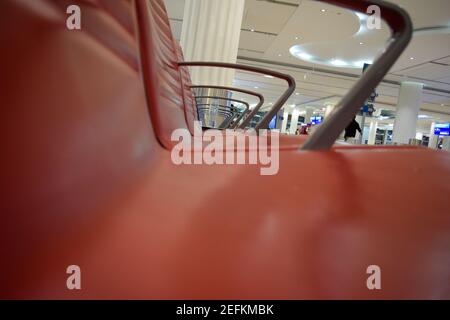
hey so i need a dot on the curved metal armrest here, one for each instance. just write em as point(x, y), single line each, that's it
point(252, 93)
point(400, 23)
point(229, 113)
point(276, 107)
point(247, 106)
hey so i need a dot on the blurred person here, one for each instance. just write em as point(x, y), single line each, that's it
point(350, 131)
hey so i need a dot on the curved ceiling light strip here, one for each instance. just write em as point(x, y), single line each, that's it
point(306, 51)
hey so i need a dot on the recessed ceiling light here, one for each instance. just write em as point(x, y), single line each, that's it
point(252, 30)
point(323, 10)
point(305, 56)
point(412, 58)
point(361, 43)
point(296, 38)
point(268, 76)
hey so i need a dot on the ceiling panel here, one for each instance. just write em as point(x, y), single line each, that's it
point(175, 8)
point(255, 41)
point(176, 26)
point(266, 16)
point(428, 71)
point(426, 13)
point(444, 60)
point(445, 80)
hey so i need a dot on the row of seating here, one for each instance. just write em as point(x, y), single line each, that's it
point(88, 180)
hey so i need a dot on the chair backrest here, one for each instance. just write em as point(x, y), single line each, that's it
point(162, 76)
point(188, 95)
point(76, 126)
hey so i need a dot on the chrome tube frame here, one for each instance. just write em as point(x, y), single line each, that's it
point(228, 112)
point(243, 113)
point(252, 93)
point(277, 105)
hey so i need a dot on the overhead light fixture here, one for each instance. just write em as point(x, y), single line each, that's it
point(411, 58)
point(298, 51)
point(297, 93)
point(338, 63)
point(305, 56)
point(296, 38)
point(268, 76)
point(361, 43)
point(252, 30)
point(256, 87)
point(323, 10)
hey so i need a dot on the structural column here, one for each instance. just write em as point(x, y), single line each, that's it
point(329, 109)
point(285, 121)
point(210, 32)
point(294, 121)
point(409, 101)
point(432, 143)
point(446, 143)
point(372, 133)
point(309, 114)
point(279, 122)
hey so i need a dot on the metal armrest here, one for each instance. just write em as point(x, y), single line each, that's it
point(228, 112)
point(246, 121)
point(246, 109)
point(400, 23)
point(276, 107)
point(246, 105)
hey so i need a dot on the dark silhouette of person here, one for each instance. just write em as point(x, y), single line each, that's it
point(350, 131)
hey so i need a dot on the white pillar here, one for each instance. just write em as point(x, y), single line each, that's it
point(294, 121)
point(409, 101)
point(285, 121)
point(210, 32)
point(446, 143)
point(329, 109)
point(372, 132)
point(309, 114)
point(432, 143)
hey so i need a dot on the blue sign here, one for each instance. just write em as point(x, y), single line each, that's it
point(273, 123)
point(316, 120)
point(442, 129)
